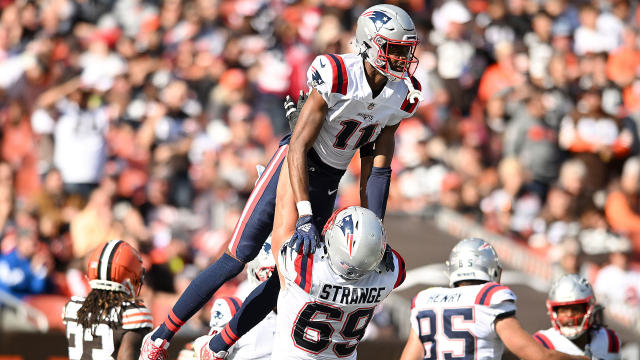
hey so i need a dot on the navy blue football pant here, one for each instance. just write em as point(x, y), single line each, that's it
point(251, 231)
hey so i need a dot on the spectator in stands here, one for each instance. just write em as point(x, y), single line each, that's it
point(25, 270)
point(617, 282)
point(80, 150)
point(556, 221)
point(588, 38)
point(501, 75)
point(454, 52)
point(511, 208)
point(534, 142)
point(622, 208)
point(598, 139)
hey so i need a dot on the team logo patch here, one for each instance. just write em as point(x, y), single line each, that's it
point(316, 78)
point(378, 18)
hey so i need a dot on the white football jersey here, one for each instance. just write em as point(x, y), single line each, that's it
point(322, 315)
point(460, 321)
point(604, 343)
point(355, 117)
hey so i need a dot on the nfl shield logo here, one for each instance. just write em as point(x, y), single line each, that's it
point(371, 106)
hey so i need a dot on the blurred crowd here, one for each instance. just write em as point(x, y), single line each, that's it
point(145, 120)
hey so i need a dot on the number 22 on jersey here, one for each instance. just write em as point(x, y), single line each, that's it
point(451, 339)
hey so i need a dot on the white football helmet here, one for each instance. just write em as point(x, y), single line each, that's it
point(387, 38)
point(222, 311)
point(261, 268)
point(355, 241)
point(473, 259)
point(570, 290)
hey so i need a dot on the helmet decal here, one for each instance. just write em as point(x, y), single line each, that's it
point(355, 241)
point(350, 244)
point(378, 18)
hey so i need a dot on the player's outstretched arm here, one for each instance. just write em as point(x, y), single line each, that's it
point(130, 345)
point(306, 236)
point(414, 349)
point(523, 345)
point(304, 135)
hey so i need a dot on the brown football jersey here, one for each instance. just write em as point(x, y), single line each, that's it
point(102, 341)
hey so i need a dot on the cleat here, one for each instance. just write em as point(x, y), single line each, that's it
point(203, 352)
point(154, 350)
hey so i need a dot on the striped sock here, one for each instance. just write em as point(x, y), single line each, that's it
point(169, 327)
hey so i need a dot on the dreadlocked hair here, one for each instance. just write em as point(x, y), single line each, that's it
point(99, 306)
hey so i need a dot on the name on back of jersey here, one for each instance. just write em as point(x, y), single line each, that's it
point(351, 295)
point(444, 298)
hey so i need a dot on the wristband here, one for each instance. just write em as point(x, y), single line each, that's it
point(304, 208)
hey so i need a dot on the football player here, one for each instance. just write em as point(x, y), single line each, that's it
point(329, 297)
point(356, 103)
point(475, 317)
point(573, 311)
point(110, 322)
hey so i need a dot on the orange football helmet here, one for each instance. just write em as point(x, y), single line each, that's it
point(116, 266)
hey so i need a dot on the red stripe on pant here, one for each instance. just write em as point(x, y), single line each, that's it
point(257, 192)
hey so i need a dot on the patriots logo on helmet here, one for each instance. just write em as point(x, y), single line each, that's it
point(218, 315)
point(378, 18)
point(346, 225)
point(316, 78)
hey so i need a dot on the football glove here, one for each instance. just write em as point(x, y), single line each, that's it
point(306, 237)
point(292, 109)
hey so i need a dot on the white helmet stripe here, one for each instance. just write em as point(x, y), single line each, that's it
point(103, 266)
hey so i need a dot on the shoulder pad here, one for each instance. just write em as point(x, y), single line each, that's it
point(328, 75)
point(494, 293)
point(136, 316)
point(408, 106)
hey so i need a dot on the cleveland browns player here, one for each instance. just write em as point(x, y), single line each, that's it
point(110, 322)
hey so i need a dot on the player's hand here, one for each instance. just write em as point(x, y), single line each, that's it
point(387, 259)
point(306, 237)
point(292, 109)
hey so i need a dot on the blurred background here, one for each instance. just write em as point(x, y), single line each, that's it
point(145, 120)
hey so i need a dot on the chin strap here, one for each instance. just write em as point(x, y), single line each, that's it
point(414, 95)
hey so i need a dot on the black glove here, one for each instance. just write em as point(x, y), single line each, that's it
point(292, 109)
point(387, 259)
point(305, 237)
